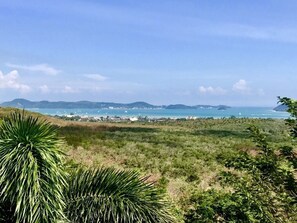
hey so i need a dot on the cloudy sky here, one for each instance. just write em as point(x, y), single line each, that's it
point(171, 51)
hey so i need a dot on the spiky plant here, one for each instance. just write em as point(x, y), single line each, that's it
point(32, 179)
point(109, 195)
point(34, 189)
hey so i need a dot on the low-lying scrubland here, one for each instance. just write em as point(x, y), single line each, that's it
point(204, 162)
point(183, 157)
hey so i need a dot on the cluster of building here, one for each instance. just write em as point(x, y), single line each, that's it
point(111, 118)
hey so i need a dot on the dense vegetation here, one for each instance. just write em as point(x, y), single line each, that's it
point(36, 185)
point(263, 183)
point(223, 170)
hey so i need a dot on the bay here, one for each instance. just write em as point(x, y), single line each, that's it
point(238, 112)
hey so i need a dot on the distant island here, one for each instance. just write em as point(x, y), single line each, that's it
point(181, 106)
point(23, 103)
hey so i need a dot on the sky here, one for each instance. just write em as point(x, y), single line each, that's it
point(238, 53)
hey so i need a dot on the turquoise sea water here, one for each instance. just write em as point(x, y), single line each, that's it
point(240, 112)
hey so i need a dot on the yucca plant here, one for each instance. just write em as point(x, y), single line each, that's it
point(109, 195)
point(31, 175)
point(35, 188)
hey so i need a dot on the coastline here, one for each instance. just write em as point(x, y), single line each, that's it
point(163, 114)
point(79, 118)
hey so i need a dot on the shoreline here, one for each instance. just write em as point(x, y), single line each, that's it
point(80, 118)
point(162, 114)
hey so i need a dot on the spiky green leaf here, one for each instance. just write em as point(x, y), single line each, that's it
point(109, 195)
point(31, 177)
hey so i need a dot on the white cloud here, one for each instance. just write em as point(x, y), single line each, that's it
point(68, 89)
point(44, 89)
point(42, 68)
point(97, 77)
point(11, 81)
point(211, 90)
point(241, 86)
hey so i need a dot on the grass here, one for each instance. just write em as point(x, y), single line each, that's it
point(181, 156)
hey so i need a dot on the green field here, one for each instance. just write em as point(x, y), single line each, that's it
point(182, 157)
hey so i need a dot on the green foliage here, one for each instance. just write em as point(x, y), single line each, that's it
point(264, 186)
point(292, 109)
point(109, 195)
point(31, 176)
point(288, 153)
point(271, 178)
point(263, 191)
point(219, 206)
point(261, 140)
point(34, 186)
point(183, 156)
point(180, 155)
point(267, 164)
point(179, 150)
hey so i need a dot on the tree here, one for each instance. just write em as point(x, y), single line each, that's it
point(292, 109)
point(34, 185)
point(264, 186)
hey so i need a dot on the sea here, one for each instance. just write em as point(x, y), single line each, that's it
point(238, 112)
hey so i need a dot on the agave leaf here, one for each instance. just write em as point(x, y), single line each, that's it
point(31, 175)
point(109, 195)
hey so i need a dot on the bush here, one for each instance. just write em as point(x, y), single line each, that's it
point(264, 186)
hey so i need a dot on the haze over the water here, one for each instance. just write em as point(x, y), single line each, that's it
point(239, 53)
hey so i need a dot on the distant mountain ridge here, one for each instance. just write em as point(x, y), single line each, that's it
point(23, 103)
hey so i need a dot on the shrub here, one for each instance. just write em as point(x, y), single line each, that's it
point(265, 190)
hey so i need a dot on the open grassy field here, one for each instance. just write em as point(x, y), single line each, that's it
point(180, 156)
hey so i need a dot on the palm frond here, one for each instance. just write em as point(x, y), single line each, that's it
point(31, 176)
point(109, 195)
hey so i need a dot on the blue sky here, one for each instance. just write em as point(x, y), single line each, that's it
point(171, 51)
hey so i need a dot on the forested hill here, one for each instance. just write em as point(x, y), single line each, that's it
point(23, 103)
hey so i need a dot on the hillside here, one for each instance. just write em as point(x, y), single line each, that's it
point(23, 103)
